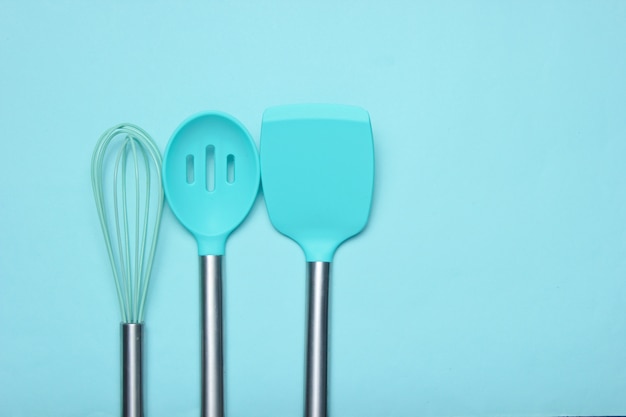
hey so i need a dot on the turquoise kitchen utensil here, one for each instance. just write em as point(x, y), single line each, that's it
point(317, 174)
point(211, 180)
point(129, 207)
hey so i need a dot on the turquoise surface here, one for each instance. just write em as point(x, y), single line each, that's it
point(489, 281)
point(317, 173)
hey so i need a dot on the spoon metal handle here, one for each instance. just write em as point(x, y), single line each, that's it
point(317, 339)
point(212, 350)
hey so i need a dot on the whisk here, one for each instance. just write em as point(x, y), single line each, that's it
point(130, 157)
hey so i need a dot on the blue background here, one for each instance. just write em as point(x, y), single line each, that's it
point(491, 279)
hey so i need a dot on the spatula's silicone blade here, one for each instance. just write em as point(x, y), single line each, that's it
point(317, 174)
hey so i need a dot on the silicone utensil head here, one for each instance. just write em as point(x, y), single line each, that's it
point(317, 169)
point(211, 177)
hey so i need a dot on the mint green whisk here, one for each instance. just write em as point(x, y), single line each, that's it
point(129, 207)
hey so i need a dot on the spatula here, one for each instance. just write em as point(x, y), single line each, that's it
point(317, 175)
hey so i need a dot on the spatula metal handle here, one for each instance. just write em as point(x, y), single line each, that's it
point(317, 339)
point(212, 353)
point(132, 390)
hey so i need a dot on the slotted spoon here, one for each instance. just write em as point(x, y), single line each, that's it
point(211, 179)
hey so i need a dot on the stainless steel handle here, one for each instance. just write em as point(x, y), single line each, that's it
point(132, 389)
point(212, 353)
point(317, 339)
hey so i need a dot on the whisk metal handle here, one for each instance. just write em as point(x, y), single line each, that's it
point(212, 352)
point(132, 393)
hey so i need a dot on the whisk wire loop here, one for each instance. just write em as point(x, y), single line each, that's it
point(131, 261)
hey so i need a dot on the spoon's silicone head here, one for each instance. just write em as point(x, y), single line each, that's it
point(317, 168)
point(211, 177)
